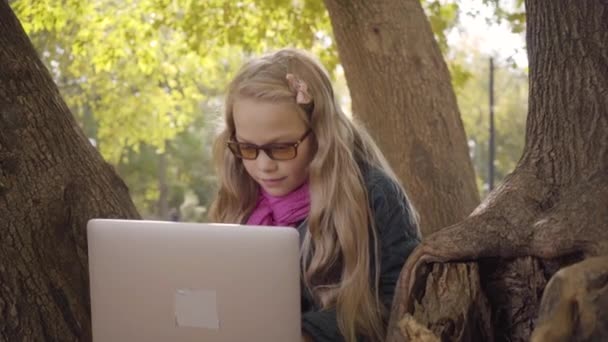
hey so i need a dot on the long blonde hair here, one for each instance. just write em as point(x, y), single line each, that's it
point(336, 253)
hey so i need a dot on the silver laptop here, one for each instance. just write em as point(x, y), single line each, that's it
point(167, 281)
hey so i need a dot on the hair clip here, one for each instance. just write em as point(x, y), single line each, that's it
point(301, 89)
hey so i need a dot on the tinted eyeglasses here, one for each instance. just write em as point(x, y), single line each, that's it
point(276, 151)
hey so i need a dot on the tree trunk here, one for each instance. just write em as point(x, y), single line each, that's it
point(401, 90)
point(552, 211)
point(52, 181)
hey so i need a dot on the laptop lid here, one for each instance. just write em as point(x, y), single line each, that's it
point(167, 281)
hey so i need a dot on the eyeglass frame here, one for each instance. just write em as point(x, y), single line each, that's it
point(267, 147)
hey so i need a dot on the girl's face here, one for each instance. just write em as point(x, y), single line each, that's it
point(260, 123)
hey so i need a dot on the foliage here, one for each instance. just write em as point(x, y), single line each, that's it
point(136, 73)
point(187, 171)
point(442, 17)
point(144, 77)
point(121, 67)
point(511, 11)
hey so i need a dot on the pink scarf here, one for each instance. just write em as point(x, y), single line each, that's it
point(286, 210)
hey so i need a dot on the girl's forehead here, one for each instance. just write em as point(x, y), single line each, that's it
point(258, 119)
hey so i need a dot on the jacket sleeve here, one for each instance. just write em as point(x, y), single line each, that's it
point(398, 235)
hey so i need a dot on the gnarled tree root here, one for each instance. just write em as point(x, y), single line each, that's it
point(521, 235)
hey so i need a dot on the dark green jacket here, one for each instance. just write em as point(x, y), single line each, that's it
point(397, 235)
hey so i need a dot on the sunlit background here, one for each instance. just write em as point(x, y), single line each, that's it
point(145, 79)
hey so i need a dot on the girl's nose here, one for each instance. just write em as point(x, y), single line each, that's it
point(264, 163)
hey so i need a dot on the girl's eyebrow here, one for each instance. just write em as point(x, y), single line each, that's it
point(277, 140)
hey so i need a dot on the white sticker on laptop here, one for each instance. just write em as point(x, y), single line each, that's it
point(196, 308)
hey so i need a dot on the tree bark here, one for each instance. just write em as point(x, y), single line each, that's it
point(52, 181)
point(401, 90)
point(552, 210)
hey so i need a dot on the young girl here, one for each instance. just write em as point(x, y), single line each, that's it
point(289, 156)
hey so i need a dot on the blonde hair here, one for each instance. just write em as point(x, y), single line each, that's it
point(340, 221)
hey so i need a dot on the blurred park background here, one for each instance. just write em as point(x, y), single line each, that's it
point(145, 79)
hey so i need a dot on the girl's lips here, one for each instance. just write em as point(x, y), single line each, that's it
point(271, 182)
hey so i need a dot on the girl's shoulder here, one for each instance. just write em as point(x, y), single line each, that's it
point(393, 213)
point(385, 194)
point(376, 181)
